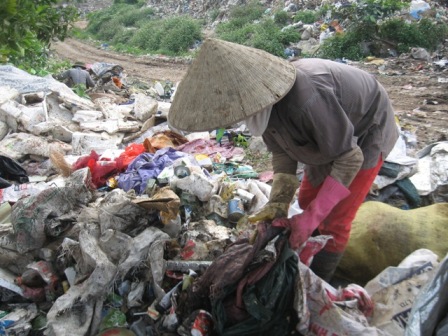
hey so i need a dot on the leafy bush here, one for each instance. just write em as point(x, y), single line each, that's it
point(306, 16)
point(281, 18)
point(133, 16)
point(148, 37)
point(405, 35)
point(265, 35)
point(340, 46)
point(214, 14)
point(98, 18)
point(180, 34)
point(27, 29)
point(248, 13)
point(371, 24)
point(123, 36)
point(171, 36)
point(135, 26)
point(247, 26)
point(108, 30)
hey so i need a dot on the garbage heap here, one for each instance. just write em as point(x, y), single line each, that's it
point(112, 223)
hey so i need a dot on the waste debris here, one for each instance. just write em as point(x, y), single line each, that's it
point(111, 222)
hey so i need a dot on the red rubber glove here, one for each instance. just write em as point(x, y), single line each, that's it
point(303, 225)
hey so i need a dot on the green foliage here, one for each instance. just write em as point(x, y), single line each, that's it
point(214, 14)
point(306, 16)
point(171, 36)
point(148, 36)
point(248, 13)
point(78, 33)
point(108, 30)
point(264, 33)
point(180, 34)
point(80, 90)
point(240, 141)
point(372, 22)
point(281, 18)
point(123, 36)
point(139, 3)
point(98, 18)
point(134, 29)
point(368, 11)
point(27, 28)
point(340, 46)
point(134, 16)
point(424, 33)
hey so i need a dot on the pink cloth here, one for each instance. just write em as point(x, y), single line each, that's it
point(210, 148)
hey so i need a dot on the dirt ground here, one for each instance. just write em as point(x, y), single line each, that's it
point(144, 68)
point(416, 88)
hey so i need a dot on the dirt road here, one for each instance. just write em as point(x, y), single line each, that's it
point(418, 93)
point(144, 68)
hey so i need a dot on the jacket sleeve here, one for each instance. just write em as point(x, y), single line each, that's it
point(89, 82)
point(281, 161)
point(346, 166)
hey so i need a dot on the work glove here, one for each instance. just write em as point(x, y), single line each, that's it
point(303, 225)
point(283, 189)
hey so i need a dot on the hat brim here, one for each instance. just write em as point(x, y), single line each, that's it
point(228, 83)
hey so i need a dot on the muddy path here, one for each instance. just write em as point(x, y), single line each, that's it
point(419, 96)
point(141, 67)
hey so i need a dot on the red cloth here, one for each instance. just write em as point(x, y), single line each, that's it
point(339, 222)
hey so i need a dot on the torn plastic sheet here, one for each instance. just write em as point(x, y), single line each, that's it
point(429, 312)
point(147, 245)
point(100, 68)
point(18, 191)
point(7, 93)
point(8, 288)
point(20, 117)
point(432, 168)
point(394, 290)
point(139, 250)
point(117, 211)
point(31, 216)
point(111, 126)
point(23, 82)
point(198, 184)
point(144, 106)
point(18, 322)
point(84, 143)
point(407, 165)
point(329, 311)
point(18, 145)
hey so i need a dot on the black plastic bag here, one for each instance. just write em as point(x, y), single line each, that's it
point(11, 170)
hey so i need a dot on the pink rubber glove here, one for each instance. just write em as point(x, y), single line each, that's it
point(303, 225)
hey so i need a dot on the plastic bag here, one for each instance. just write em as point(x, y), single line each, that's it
point(418, 7)
point(429, 312)
point(10, 169)
point(394, 291)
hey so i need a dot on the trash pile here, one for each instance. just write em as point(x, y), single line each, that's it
point(112, 223)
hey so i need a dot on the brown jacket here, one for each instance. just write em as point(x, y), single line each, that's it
point(336, 119)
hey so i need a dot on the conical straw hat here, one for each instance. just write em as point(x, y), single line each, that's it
point(228, 83)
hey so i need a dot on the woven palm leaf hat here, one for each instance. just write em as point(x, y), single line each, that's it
point(79, 65)
point(227, 83)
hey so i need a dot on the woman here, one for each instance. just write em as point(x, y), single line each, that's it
point(332, 117)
